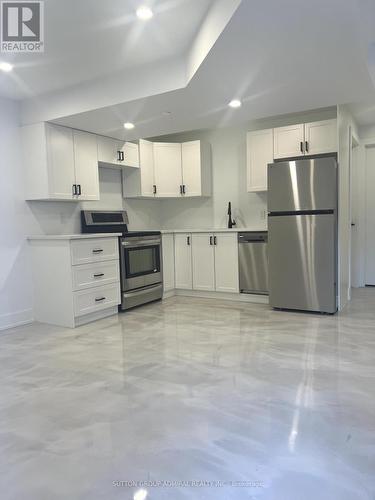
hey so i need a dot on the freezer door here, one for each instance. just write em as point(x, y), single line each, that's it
point(302, 262)
point(302, 185)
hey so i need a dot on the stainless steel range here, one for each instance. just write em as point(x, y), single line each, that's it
point(140, 256)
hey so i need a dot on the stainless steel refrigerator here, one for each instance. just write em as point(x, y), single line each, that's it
point(302, 234)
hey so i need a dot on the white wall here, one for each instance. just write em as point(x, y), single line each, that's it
point(228, 146)
point(15, 276)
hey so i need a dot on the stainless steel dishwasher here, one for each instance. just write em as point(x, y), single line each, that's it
point(253, 262)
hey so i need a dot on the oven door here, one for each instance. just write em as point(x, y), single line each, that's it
point(140, 263)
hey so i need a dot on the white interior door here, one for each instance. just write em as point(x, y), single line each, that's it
point(86, 165)
point(191, 168)
point(168, 169)
point(370, 215)
point(203, 261)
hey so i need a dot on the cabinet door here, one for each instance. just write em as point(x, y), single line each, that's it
point(226, 262)
point(168, 261)
point(191, 168)
point(146, 160)
point(61, 174)
point(130, 154)
point(108, 150)
point(288, 141)
point(203, 261)
point(182, 259)
point(259, 154)
point(321, 137)
point(86, 165)
point(168, 171)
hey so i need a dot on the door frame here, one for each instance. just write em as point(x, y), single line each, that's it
point(361, 207)
point(353, 144)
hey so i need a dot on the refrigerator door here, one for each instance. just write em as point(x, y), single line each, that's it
point(302, 262)
point(302, 185)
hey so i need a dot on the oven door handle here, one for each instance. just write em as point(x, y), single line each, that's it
point(132, 244)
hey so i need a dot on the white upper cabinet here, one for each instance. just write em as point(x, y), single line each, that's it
point(259, 154)
point(109, 150)
point(60, 163)
point(52, 164)
point(305, 139)
point(288, 141)
point(170, 170)
point(183, 261)
point(139, 182)
point(203, 261)
point(86, 165)
point(196, 169)
point(321, 137)
point(167, 169)
point(226, 262)
point(130, 155)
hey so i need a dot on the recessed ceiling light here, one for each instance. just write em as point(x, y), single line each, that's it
point(4, 66)
point(144, 13)
point(235, 103)
point(140, 495)
point(129, 125)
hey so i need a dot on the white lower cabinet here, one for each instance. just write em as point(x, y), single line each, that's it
point(183, 261)
point(226, 263)
point(203, 262)
point(76, 280)
point(168, 262)
point(207, 262)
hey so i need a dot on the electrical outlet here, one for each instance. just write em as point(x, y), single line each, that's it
point(262, 215)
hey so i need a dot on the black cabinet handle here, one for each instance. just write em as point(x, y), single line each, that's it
point(119, 155)
point(215, 240)
point(100, 299)
point(154, 189)
point(97, 250)
point(98, 275)
point(79, 190)
point(306, 146)
point(122, 156)
point(301, 146)
point(188, 240)
point(180, 189)
point(74, 189)
point(211, 242)
point(183, 189)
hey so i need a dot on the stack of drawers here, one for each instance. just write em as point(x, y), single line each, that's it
point(76, 278)
point(95, 274)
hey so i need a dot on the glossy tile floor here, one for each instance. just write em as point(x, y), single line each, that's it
point(247, 402)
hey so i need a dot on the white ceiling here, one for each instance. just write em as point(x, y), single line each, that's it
point(87, 39)
point(279, 57)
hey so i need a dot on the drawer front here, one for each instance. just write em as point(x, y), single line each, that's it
point(97, 274)
point(94, 250)
point(96, 299)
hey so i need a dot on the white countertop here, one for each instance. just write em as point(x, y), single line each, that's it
point(215, 230)
point(72, 236)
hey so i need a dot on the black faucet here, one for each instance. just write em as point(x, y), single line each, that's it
point(231, 222)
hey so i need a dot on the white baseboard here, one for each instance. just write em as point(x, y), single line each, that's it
point(18, 318)
point(169, 293)
point(238, 297)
